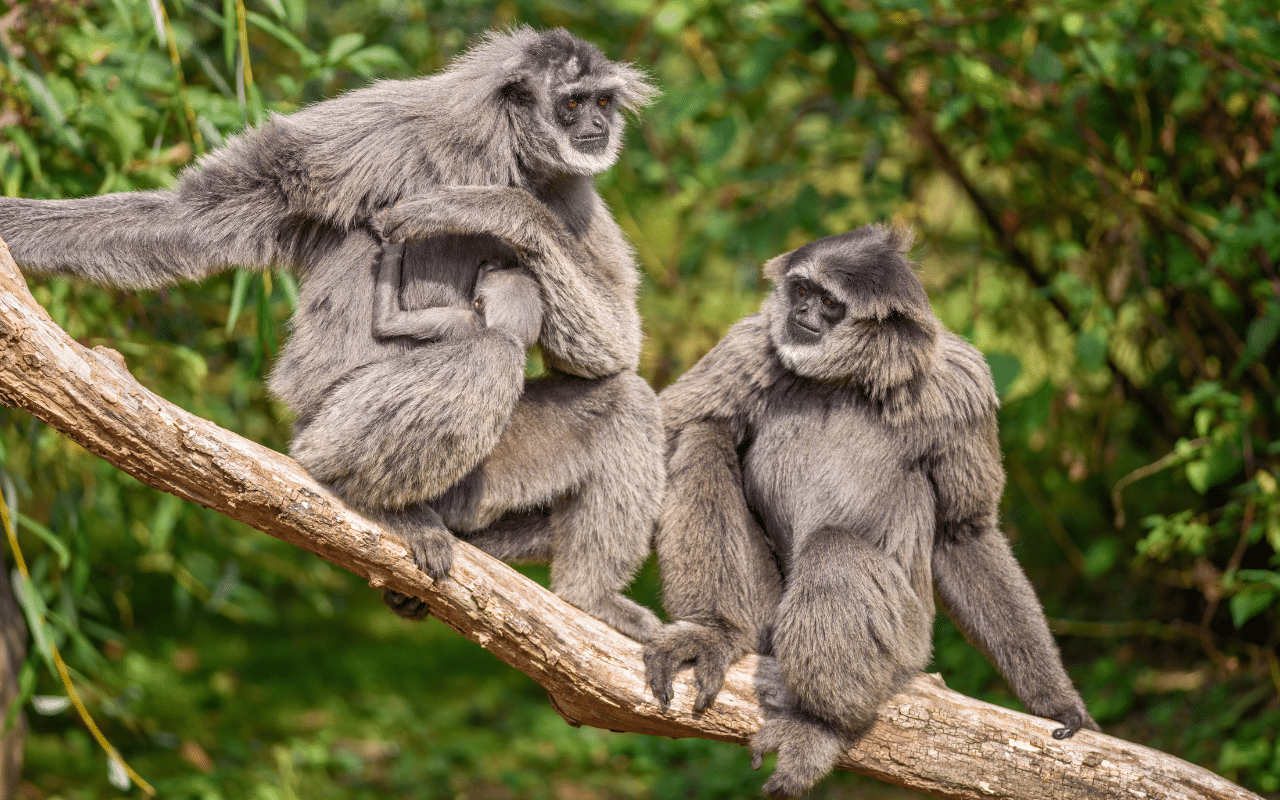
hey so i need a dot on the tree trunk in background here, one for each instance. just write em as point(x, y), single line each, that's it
point(13, 650)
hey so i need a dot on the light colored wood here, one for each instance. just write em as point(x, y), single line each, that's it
point(927, 737)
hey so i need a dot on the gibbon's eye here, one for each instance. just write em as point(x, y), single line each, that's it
point(828, 302)
point(479, 304)
point(573, 102)
point(604, 100)
point(802, 290)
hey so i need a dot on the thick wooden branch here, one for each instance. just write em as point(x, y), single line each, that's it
point(927, 738)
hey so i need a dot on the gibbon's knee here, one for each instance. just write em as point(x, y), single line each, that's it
point(566, 433)
point(404, 430)
point(850, 630)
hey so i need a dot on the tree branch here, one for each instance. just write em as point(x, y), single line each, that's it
point(927, 737)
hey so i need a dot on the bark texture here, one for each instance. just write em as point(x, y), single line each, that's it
point(927, 737)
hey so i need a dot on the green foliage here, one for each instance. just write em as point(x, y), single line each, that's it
point(1094, 191)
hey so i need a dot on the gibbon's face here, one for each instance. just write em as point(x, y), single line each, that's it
point(813, 311)
point(575, 96)
point(809, 317)
point(584, 122)
point(849, 307)
point(587, 119)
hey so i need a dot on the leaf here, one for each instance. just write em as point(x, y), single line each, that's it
point(1247, 605)
point(230, 34)
point(239, 291)
point(289, 286)
point(1262, 334)
point(843, 69)
point(1220, 463)
point(48, 704)
point(343, 46)
point(955, 108)
point(46, 106)
point(760, 62)
point(864, 23)
point(1044, 65)
point(1091, 349)
point(375, 59)
point(718, 140)
point(309, 56)
point(1005, 369)
point(48, 537)
point(1101, 556)
point(116, 774)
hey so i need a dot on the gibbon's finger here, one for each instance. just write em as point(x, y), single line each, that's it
point(661, 668)
point(709, 671)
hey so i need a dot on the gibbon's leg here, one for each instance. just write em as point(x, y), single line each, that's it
point(591, 452)
point(720, 581)
point(850, 631)
point(992, 602)
point(393, 434)
point(520, 537)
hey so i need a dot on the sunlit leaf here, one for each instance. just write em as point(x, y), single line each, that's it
point(48, 705)
point(1247, 605)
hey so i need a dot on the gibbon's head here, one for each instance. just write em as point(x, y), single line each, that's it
point(850, 307)
point(561, 97)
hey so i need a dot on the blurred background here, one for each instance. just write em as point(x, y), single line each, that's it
point(1094, 189)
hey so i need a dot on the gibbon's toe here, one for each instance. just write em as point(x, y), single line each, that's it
point(807, 750)
point(432, 550)
point(406, 605)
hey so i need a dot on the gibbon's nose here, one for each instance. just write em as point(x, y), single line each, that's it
point(597, 123)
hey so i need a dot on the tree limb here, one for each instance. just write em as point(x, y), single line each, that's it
point(927, 737)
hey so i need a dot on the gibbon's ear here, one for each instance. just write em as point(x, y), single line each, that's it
point(518, 89)
point(636, 92)
point(775, 269)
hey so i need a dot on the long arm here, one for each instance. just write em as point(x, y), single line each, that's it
point(390, 320)
point(230, 210)
point(983, 587)
point(590, 327)
point(721, 584)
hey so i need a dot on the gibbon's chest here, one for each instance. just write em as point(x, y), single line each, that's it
point(823, 458)
point(442, 270)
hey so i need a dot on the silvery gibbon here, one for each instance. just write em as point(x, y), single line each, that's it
point(488, 162)
point(831, 463)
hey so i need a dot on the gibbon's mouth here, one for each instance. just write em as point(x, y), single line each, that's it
point(591, 143)
point(801, 333)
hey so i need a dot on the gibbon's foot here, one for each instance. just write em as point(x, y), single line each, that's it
point(1073, 720)
point(406, 605)
point(432, 550)
point(623, 613)
point(683, 642)
point(807, 749)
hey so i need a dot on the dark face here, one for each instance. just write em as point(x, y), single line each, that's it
point(814, 311)
point(586, 119)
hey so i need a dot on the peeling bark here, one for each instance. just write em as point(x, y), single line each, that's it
point(926, 738)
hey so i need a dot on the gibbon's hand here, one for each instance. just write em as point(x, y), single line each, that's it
point(683, 643)
point(513, 215)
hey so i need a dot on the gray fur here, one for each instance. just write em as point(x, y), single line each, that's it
point(408, 415)
point(821, 487)
point(507, 298)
